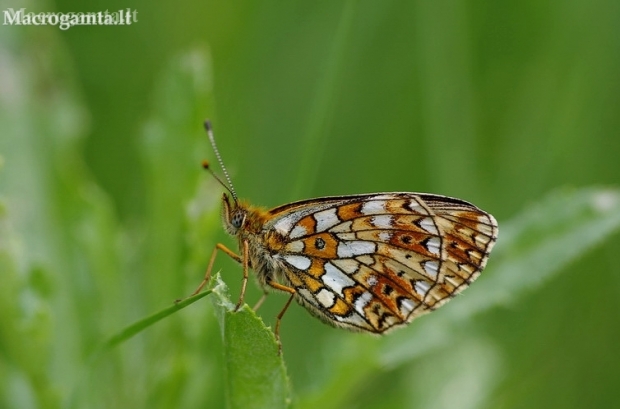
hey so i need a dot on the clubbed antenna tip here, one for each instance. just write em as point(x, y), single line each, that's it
point(205, 164)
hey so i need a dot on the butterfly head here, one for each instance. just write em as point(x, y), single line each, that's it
point(233, 215)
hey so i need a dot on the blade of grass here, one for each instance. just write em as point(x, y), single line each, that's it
point(142, 324)
point(532, 247)
point(315, 137)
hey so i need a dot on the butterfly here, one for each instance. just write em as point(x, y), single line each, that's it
point(368, 262)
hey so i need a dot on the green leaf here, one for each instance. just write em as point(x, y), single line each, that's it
point(255, 371)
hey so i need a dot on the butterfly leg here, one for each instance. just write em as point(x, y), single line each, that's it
point(291, 291)
point(260, 302)
point(245, 263)
point(223, 248)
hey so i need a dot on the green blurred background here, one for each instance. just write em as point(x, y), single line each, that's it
point(107, 216)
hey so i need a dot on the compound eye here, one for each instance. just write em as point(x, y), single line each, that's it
point(237, 220)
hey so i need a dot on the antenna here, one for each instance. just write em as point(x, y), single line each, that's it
point(228, 186)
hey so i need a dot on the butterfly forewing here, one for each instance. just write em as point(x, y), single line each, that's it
point(373, 262)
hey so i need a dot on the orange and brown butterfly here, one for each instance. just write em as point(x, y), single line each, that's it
point(368, 262)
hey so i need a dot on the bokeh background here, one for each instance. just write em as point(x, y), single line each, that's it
point(107, 216)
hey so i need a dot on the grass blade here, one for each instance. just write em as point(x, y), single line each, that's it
point(140, 325)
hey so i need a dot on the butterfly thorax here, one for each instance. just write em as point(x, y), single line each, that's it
point(246, 223)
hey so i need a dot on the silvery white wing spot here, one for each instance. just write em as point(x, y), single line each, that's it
point(369, 262)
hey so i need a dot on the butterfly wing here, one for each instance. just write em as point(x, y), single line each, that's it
point(374, 262)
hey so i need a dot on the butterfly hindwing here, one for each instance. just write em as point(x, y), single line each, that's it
point(373, 262)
